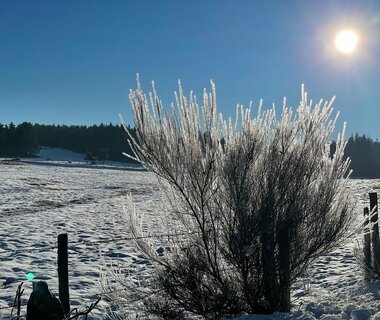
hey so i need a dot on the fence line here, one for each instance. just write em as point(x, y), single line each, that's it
point(98, 294)
point(89, 243)
point(25, 249)
point(84, 242)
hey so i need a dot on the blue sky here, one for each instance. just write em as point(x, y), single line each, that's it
point(73, 62)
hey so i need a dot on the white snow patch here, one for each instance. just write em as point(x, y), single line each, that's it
point(65, 158)
point(58, 154)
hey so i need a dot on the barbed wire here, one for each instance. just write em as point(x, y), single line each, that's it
point(131, 238)
point(98, 294)
point(10, 252)
point(91, 243)
point(9, 307)
point(26, 250)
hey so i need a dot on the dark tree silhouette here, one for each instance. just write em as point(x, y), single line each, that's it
point(105, 142)
point(108, 142)
point(365, 156)
point(18, 141)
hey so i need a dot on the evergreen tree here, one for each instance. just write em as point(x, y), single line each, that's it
point(2, 138)
point(89, 157)
point(26, 141)
point(365, 156)
point(108, 142)
point(96, 138)
point(10, 140)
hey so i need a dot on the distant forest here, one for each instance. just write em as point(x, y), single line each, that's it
point(97, 142)
point(108, 142)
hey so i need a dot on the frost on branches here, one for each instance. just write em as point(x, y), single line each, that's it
point(260, 199)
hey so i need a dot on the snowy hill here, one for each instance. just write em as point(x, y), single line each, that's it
point(57, 154)
point(66, 158)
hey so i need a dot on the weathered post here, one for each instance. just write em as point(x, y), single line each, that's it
point(63, 273)
point(373, 204)
point(367, 244)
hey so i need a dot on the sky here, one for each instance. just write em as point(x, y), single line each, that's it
point(74, 61)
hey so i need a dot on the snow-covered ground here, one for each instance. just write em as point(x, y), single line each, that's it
point(40, 201)
point(57, 154)
point(65, 158)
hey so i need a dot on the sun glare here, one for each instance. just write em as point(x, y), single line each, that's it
point(346, 41)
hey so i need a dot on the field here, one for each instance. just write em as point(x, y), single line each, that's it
point(40, 201)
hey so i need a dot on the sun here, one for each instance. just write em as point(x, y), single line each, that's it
point(346, 41)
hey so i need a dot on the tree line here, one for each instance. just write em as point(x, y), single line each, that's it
point(102, 142)
point(364, 153)
point(108, 142)
point(18, 141)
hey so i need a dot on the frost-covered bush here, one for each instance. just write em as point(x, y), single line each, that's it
point(259, 198)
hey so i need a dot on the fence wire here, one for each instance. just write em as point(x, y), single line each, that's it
point(5, 253)
point(87, 243)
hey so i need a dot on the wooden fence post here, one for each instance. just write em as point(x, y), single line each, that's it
point(373, 202)
point(367, 243)
point(63, 272)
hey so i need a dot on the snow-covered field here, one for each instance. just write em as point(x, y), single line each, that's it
point(38, 202)
point(41, 200)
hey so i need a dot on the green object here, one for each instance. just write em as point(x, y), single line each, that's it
point(29, 276)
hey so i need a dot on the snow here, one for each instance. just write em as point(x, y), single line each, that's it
point(41, 201)
point(57, 154)
point(43, 198)
point(65, 158)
